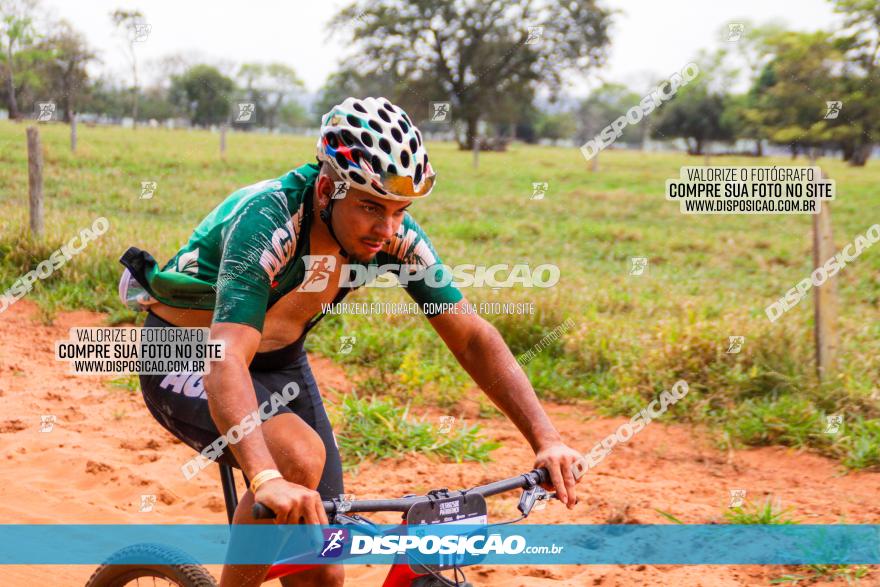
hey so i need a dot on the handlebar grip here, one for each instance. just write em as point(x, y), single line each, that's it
point(262, 512)
point(543, 475)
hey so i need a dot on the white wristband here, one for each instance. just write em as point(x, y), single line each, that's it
point(264, 476)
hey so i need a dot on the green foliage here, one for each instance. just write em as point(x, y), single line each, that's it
point(768, 513)
point(708, 277)
point(602, 107)
point(204, 92)
point(378, 428)
point(438, 48)
point(695, 114)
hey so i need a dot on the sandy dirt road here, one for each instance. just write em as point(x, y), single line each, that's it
point(105, 451)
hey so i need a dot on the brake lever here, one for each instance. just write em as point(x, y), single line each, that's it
point(529, 497)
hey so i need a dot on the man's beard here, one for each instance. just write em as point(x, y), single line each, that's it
point(360, 259)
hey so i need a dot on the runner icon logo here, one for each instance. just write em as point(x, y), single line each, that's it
point(318, 271)
point(832, 109)
point(737, 498)
point(735, 31)
point(539, 189)
point(334, 540)
point(346, 344)
point(735, 344)
point(340, 190)
point(440, 112)
point(45, 111)
point(833, 423)
point(639, 265)
point(47, 422)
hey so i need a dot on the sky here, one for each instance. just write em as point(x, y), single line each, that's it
point(649, 37)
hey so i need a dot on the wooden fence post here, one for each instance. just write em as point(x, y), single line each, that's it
point(73, 132)
point(35, 180)
point(824, 296)
point(476, 145)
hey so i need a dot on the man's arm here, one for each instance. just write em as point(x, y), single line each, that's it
point(231, 395)
point(482, 352)
point(231, 398)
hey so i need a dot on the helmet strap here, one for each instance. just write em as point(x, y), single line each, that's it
point(327, 216)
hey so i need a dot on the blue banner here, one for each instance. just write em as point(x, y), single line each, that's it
point(443, 544)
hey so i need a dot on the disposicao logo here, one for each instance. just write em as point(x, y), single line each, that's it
point(334, 541)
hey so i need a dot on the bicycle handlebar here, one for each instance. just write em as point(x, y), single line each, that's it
point(402, 504)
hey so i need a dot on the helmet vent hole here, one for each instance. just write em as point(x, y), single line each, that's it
point(332, 140)
point(375, 125)
point(359, 107)
point(396, 134)
point(341, 160)
point(384, 116)
point(392, 169)
point(375, 163)
point(413, 145)
point(347, 137)
point(367, 139)
point(403, 126)
point(387, 106)
point(404, 159)
point(353, 120)
point(356, 177)
point(419, 136)
point(418, 175)
point(385, 145)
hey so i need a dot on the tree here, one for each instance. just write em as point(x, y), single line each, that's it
point(293, 114)
point(696, 114)
point(860, 44)
point(128, 23)
point(204, 93)
point(282, 83)
point(102, 97)
point(752, 55)
point(250, 80)
point(17, 36)
point(604, 105)
point(474, 52)
point(350, 82)
point(270, 87)
point(555, 126)
point(792, 89)
point(696, 111)
point(65, 71)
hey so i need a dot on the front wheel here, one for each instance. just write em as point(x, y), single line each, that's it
point(177, 568)
point(432, 581)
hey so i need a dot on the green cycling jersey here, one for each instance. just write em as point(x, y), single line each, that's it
point(252, 249)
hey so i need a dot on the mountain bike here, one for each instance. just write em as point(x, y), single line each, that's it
point(178, 568)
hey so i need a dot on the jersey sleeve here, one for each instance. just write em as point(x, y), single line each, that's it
point(253, 249)
point(411, 246)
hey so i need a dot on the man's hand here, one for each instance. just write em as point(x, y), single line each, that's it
point(292, 503)
point(558, 459)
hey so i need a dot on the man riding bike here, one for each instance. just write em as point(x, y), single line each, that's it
point(243, 273)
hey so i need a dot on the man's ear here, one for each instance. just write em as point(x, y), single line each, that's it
point(324, 189)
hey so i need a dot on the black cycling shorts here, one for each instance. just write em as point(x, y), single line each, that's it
point(179, 403)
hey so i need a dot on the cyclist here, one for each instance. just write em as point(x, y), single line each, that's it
point(243, 273)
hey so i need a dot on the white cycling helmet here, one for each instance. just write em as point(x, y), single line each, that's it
point(373, 145)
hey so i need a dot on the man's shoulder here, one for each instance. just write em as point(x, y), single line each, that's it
point(284, 194)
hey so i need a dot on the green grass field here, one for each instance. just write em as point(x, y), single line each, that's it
point(709, 277)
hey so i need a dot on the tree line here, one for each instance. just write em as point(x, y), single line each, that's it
point(502, 66)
